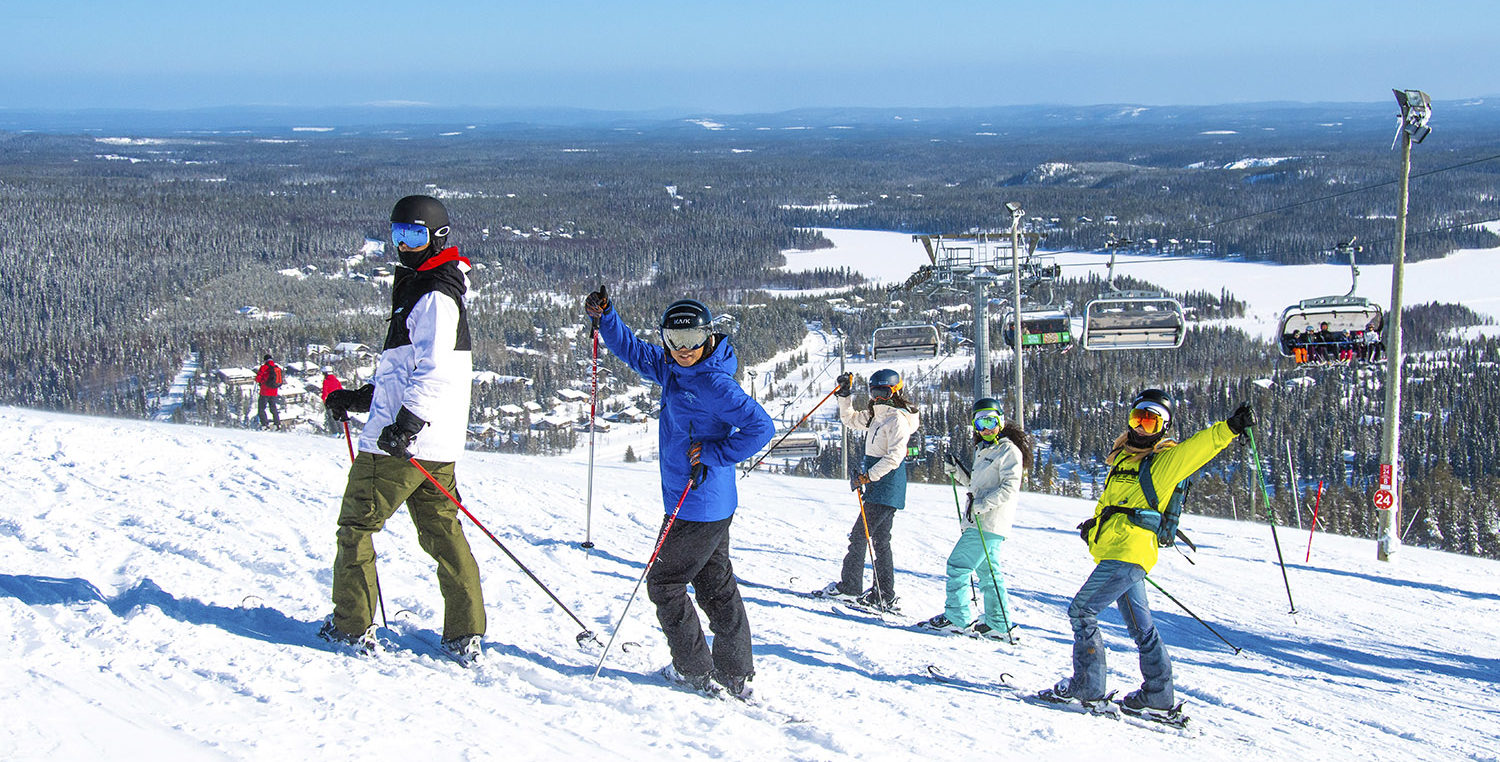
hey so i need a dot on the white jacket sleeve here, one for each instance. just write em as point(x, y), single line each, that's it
point(849, 415)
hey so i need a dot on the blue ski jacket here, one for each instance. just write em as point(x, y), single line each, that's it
point(702, 403)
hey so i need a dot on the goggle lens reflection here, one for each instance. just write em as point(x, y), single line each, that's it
point(409, 235)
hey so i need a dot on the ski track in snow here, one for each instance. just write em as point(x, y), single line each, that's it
point(162, 587)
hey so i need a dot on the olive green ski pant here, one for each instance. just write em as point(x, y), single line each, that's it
point(378, 485)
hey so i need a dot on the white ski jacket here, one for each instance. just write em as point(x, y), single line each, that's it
point(994, 487)
point(429, 370)
point(885, 436)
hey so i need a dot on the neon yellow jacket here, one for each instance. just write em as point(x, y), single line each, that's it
point(1120, 539)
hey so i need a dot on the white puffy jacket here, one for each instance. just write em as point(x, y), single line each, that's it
point(885, 435)
point(994, 487)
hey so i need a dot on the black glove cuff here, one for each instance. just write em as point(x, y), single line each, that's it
point(364, 396)
point(408, 423)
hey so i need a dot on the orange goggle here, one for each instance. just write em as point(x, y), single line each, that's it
point(1145, 420)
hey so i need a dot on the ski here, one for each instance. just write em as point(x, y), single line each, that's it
point(1173, 722)
point(1000, 688)
point(851, 607)
point(1105, 707)
point(748, 703)
point(967, 632)
point(1172, 718)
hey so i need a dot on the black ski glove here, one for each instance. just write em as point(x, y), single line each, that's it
point(844, 385)
point(969, 511)
point(1085, 528)
point(858, 480)
point(596, 304)
point(398, 436)
point(697, 472)
point(1241, 419)
point(341, 401)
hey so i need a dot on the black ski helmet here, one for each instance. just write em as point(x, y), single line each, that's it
point(1156, 400)
point(687, 313)
point(989, 403)
point(985, 407)
point(887, 378)
point(429, 213)
point(686, 324)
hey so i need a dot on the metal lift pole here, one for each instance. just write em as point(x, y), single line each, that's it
point(1416, 109)
point(1015, 308)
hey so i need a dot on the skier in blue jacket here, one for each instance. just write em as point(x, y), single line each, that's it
point(708, 425)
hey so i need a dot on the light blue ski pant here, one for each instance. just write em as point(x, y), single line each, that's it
point(1120, 583)
point(968, 558)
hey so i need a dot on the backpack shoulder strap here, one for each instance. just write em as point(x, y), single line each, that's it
point(1147, 488)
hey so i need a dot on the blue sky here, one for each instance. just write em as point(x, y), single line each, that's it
point(741, 57)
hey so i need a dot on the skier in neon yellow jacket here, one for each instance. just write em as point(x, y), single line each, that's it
point(1125, 551)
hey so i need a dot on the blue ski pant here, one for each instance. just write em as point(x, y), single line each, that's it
point(971, 556)
point(1119, 583)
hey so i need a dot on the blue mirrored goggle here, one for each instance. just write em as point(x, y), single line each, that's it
point(409, 235)
point(987, 421)
point(678, 339)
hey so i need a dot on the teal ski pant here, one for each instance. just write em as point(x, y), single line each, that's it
point(968, 558)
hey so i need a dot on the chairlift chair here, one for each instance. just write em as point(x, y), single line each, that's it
point(795, 447)
point(1040, 328)
point(1348, 316)
point(1132, 319)
point(904, 340)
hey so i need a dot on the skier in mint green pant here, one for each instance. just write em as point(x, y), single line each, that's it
point(1002, 453)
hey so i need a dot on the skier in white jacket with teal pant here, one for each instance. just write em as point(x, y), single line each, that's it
point(1002, 453)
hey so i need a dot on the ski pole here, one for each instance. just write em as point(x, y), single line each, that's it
point(956, 508)
point(1316, 501)
point(587, 634)
point(588, 521)
point(1191, 614)
point(788, 433)
point(659, 542)
point(1270, 516)
point(1411, 523)
point(349, 439)
point(869, 542)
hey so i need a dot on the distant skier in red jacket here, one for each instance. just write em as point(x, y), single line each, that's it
point(331, 384)
point(270, 376)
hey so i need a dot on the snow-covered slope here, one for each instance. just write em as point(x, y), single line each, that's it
point(161, 585)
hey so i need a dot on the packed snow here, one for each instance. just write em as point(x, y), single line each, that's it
point(163, 584)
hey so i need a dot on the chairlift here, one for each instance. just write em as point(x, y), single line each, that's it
point(795, 446)
point(1040, 328)
point(1132, 319)
point(904, 340)
point(1331, 329)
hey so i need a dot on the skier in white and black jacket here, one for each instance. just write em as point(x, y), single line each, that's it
point(419, 410)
